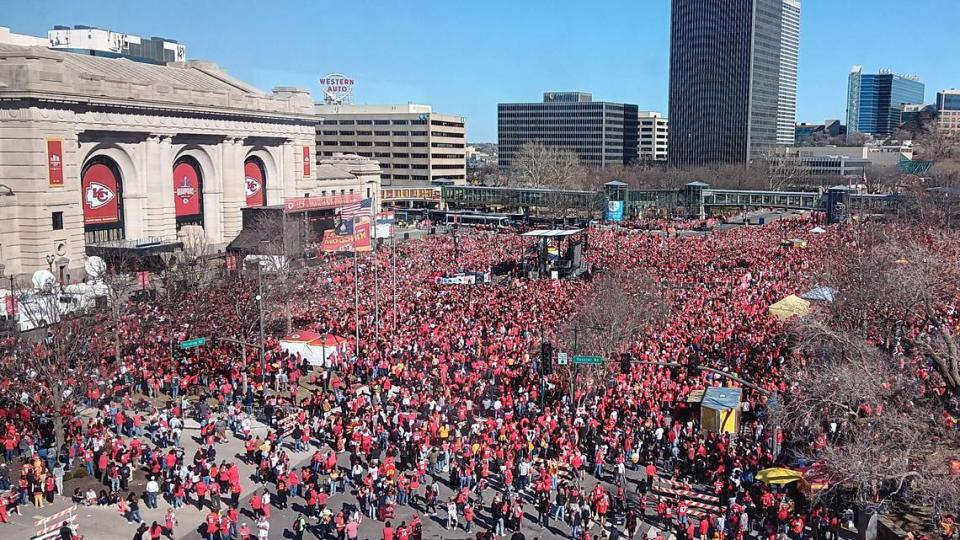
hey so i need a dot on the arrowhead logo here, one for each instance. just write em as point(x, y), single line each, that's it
point(98, 195)
point(252, 186)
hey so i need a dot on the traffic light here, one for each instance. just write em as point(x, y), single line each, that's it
point(546, 358)
point(625, 363)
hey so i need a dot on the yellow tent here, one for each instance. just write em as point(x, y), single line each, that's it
point(779, 476)
point(789, 306)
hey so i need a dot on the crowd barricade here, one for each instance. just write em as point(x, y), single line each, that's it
point(49, 527)
point(699, 504)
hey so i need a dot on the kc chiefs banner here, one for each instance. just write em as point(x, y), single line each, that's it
point(358, 241)
point(253, 182)
point(101, 195)
point(55, 162)
point(306, 161)
point(186, 189)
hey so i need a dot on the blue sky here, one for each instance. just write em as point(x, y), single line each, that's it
point(465, 57)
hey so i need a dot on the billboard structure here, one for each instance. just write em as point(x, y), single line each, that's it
point(337, 88)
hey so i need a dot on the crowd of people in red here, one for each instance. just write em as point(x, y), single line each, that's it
point(443, 411)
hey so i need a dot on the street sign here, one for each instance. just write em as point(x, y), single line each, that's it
point(195, 342)
point(592, 360)
point(561, 358)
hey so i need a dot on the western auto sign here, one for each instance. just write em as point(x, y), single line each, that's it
point(186, 189)
point(306, 161)
point(101, 197)
point(55, 162)
point(253, 182)
point(337, 87)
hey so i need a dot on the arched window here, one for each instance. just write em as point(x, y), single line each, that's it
point(101, 192)
point(255, 181)
point(188, 191)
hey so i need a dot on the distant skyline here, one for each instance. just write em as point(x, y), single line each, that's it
point(463, 59)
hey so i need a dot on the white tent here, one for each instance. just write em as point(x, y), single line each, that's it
point(317, 349)
point(818, 230)
point(820, 294)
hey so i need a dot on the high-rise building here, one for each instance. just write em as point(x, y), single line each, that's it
point(654, 135)
point(875, 101)
point(948, 112)
point(99, 42)
point(600, 132)
point(91, 41)
point(733, 78)
point(412, 143)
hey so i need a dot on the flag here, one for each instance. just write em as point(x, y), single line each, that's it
point(344, 227)
point(357, 209)
point(384, 225)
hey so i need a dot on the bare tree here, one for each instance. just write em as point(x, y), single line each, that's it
point(856, 403)
point(50, 371)
point(277, 249)
point(933, 144)
point(537, 165)
point(620, 306)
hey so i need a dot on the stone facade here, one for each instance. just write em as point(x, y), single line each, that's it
point(139, 119)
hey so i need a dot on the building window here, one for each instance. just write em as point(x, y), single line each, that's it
point(57, 221)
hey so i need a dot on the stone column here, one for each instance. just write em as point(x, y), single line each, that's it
point(160, 217)
point(234, 192)
point(213, 185)
point(289, 173)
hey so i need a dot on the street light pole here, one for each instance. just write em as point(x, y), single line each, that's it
point(263, 370)
point(393, 244)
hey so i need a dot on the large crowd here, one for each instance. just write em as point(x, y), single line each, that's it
point(442, 410)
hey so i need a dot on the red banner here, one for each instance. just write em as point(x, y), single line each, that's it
point(12, 305)
point(55, 162)
point(231, 263)
point(101, 196)
point(358, 241)
point(253, 182)
point(186, 189)
point(143, 280)
point(306, 161)
point(317, 203)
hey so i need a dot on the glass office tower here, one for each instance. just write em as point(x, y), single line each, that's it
point(875, 101)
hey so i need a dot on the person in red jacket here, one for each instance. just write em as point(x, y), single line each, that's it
point(387, 531)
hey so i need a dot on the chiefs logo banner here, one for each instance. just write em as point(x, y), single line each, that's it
point(100, 201)
point(306, 161)
point(253, 183)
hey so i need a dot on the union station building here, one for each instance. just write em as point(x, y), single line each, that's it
point(107, 151)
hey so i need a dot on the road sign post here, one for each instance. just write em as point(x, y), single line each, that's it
point(561, 358)
point(589, 360)
point(191, 343)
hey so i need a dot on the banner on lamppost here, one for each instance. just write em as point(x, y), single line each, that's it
point(385, 224)
point(615, 211)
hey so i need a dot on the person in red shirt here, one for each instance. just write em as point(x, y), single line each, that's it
point(387, 531)
point(213, 525)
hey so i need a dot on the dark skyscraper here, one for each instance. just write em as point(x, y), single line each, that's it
point(733, 78)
